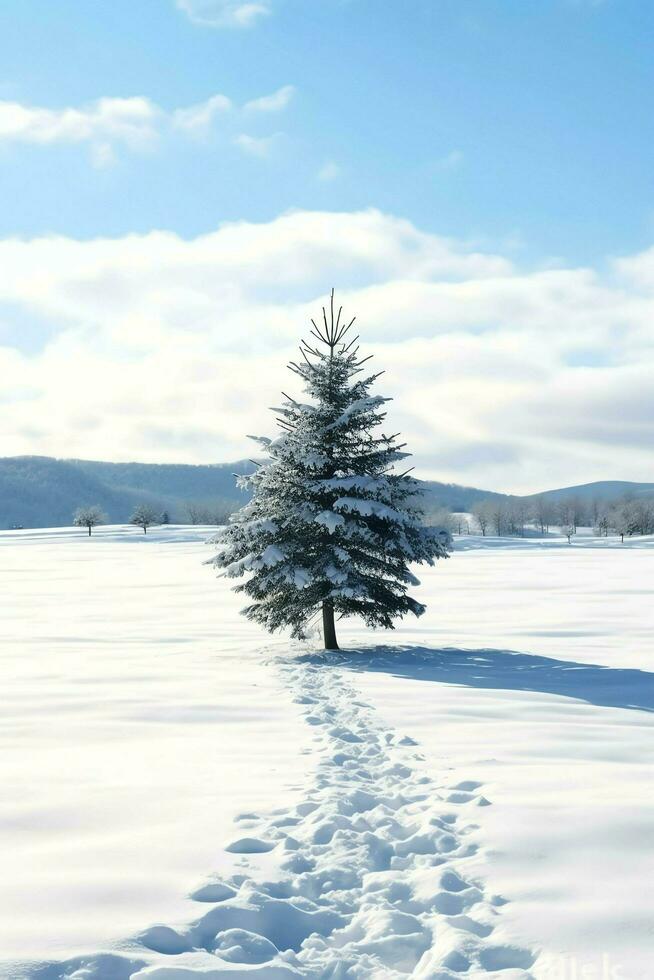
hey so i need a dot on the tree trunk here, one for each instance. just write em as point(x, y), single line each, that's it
point(145, 529)
point(89, 530)
point(328, 628)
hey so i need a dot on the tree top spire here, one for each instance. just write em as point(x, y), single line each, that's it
point(330, 331)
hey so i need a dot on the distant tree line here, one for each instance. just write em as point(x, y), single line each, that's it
point(144, 515)
point(521, 516)
point(630, 515)
point(209, 512)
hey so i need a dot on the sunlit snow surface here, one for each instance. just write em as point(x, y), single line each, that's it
point(156, 746)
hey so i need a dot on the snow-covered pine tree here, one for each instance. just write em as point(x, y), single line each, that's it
point(331, 527)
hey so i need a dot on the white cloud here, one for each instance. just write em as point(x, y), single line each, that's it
point(638, 269)
point(257, 146)
point(135, 123)
point(274, 102)
point(200, 117)
point(159, 348)
point(224, 13)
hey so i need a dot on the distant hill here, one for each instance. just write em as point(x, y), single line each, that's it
point(601, 490)
point(38, 491)
point(171, 481)
point(454, 497)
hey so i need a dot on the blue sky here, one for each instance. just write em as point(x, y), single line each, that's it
point(183, 181)
point(521, 123)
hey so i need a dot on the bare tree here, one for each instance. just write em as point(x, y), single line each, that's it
point(596, 510)
point(544, 513)
point(481, 511)
point(144, 516)
point(89, 517)
point(214, 512)
point(625, 517)
point(618, 520)
point(629, 515)
point(194, 513)
point(460, 523)
point(566, 514)
point(498, 515)
point(573, 510)
point(518, 514)
point(642, 516)
point(569, 529)
point(602, 522)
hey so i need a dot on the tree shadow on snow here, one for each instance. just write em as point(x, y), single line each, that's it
point(503, 670)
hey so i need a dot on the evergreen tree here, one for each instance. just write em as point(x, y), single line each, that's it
point(330, 526)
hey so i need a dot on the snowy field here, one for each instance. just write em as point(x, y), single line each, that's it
point(468, 796)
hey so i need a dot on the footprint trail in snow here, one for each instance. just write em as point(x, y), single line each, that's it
point(372, 880)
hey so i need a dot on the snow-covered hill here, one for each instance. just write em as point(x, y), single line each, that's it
point(183, 797)
point(38, 490)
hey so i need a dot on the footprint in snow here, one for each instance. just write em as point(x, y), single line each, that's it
point(373, 876)
point(249, 845)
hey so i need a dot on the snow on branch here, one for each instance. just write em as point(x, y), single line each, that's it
point(359, 407)
point(329, 519)
point(370, 508)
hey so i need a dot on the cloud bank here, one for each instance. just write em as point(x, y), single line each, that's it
point(135, 123)
point(158, 348)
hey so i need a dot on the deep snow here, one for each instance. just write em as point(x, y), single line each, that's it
point(156, 745)
point(133, 731)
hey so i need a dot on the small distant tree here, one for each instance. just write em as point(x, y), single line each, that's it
point(460, 523)
point(543, 513)
point(195, 513)
point(331, 528)
point(603, 522)
point(571, 511)
point(565, 515)
point(497, 513)
point(214, 512)
point(642, 516)
point(569, 529)
point(622, 518)
point(144, 516)
point(481, 511)
point(89, 517)
point(165, 517)
point(596, 511)
point(517, 512)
